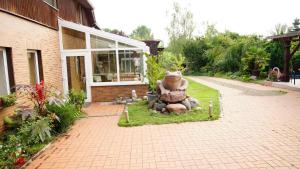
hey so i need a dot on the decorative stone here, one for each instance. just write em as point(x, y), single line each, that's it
point(159, 106)
point(253, 77)
point(176, 108)
point(145, 98)
point(193, 102)
point(187, 104)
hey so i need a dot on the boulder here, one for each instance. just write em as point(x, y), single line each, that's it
point(193, 102)
point(176, 108)
point(187, 104)
point(159, 106)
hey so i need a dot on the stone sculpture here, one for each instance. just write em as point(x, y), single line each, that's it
point(172, 96)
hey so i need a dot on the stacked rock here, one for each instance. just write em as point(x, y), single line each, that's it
point(171, 94)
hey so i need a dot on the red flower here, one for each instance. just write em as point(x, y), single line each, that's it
point(40, 91)
point(20, 161)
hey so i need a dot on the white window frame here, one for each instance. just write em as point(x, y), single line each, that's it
point(36, 63)
point(6, 70)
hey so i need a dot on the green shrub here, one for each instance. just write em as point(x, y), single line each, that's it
point(67, 114)
point(255, 59)
point(9, 100)
point(154, 72)
point(76, 98)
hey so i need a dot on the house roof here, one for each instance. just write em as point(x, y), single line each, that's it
point(86, 3)
point(288, 36)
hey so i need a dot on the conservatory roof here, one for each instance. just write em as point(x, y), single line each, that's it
point(294, 36)
point(103, 34)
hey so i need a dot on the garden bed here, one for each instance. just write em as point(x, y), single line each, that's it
point(139, 114)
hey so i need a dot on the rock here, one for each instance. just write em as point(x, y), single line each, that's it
point(151, 103)
point(145, 98)
point(187, 104)
point(173, 97)
point(253, 77)
point(193, 102)
point(176, 108)
point(198, 108)
point(159, 106)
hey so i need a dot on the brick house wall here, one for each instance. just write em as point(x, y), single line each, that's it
point(110, 93)
point(21, 35)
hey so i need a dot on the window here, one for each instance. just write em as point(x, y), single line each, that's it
point(52, 3)
point(100, 43)
point(130, 65)
point(4, 81)
point(35, 66)
point(104, 66)
point(73, 39)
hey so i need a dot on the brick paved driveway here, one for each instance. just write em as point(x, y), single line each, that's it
point(255, 131)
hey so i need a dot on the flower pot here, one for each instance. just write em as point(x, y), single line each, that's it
point(151, 96)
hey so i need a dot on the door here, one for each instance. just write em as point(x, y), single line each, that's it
point(4, 80)
point(75, 76)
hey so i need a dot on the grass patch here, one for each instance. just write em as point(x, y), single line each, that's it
point(139, 114)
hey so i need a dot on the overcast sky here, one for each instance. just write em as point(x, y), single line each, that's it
point(242, 16)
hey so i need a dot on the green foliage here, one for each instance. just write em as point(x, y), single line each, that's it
point(194, 51)
point(8, 100)
point(255, 59)
point(35, 131)
point(77, 98)
point(276, 50)
point(296, 61)
point(142, 32)
point(154, 72)
point(171, 62)
point(67, 114)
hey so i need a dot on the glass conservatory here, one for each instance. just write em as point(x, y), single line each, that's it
point(91, 57)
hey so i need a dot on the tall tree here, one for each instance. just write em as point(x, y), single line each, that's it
point(180, 29)
point(280, 29)
point(296, 25)
point(142, 32)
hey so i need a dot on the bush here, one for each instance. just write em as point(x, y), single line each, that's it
point(76, 98)
point(171, 62)
point(67, 114)
point(154, 72)
point(8, 100)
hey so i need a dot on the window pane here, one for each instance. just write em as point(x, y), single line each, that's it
point(32, 68)
point(104, 66)
point(3, 82)
point(123, 45)
point(73, 39)
point(130, 65)
point(98, 42)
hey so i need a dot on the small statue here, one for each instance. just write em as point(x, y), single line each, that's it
point(172, 89)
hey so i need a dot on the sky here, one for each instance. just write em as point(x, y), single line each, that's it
point(241, 16)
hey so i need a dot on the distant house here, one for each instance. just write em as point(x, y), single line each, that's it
point(58, 41)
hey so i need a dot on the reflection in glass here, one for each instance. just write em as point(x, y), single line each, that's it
point(98, 43)
point(104, 66)
point(130, 65)
point(73, 39)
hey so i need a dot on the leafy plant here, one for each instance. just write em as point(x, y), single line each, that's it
point(67, 114)
point(154, 72)
point(171, 62)
point(77, 98)
point(255, 60)
point(8, 100)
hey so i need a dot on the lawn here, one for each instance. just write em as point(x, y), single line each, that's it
point(139, 114)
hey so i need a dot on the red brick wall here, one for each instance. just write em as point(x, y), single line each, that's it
point(110, 93)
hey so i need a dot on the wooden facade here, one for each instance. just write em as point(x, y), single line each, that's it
point(40, 12)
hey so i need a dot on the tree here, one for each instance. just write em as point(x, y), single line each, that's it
point(280, 29)
point(115, 31)
point(255, 60)
point(142, 33)
point(181, 28)
point(296, 25)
